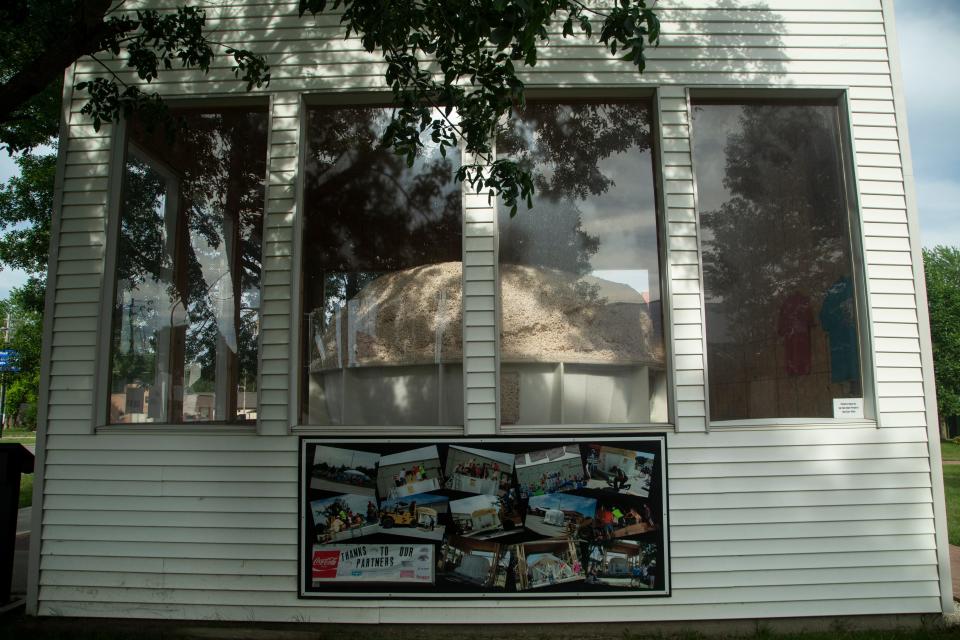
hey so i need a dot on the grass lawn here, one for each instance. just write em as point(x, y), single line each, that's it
point(19, 435)
point(26, 490)
point(950, 450)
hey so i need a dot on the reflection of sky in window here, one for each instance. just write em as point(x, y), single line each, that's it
point(427, 158)
point(217, 283)
point(623, 218)
point(153, 306)
point(145, 304)
point(145, 309)
point(712, 128)
point(431, 173)
point(141, 314)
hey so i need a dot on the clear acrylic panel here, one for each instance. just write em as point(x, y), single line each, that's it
point(781, 311)
point(186, 315)
point(581, 337)
point(381, 277)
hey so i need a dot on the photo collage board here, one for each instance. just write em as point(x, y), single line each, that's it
point(532, 518)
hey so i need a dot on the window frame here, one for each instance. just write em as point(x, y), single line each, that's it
point(652, 97)
point(838, 98)
point(101, 383)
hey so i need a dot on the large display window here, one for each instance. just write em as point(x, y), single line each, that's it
point(382, 266)
point(186, 316)
point(581, 321)
point(782, 310)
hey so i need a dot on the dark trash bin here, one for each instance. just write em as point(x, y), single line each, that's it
point(15, 459)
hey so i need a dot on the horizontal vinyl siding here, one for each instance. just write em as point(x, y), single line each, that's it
point(480, 340)
point(683, 269)
point(276, 310)
point(890, 275)
point(78, 285)
point(796, 522)
point(763, 522)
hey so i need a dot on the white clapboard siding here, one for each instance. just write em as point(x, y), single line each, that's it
point(815, 519)
point(480, 311)
point(276, 307)
point(684, 272)
point(809, 515)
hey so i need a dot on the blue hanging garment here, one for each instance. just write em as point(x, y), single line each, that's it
point(837, 318)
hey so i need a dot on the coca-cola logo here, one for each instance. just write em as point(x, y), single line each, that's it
point(325, 564)
point(321, 563)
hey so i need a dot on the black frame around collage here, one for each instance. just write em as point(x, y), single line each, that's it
point(382, 518)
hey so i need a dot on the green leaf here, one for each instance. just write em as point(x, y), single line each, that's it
point(501, 36)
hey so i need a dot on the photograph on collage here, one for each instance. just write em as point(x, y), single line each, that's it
point(619, 517)
point(622, 563)
point(547, 563)
point(409, 472)
point(476, 562)
point(549, 471)
point(344, 470)
point(484, 516)
point(479, 471)
point(416, 516)
point(619, 470)
point(344, 517)
point(559, 514)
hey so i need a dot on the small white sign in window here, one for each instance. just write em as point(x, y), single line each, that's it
point(848, 408)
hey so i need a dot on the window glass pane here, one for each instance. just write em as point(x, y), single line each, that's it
point(581, 322)
point(381, 277)
point(144, 309)
point(186, 314)
point(781, 312)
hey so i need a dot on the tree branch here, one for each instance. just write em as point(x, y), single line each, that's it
point(109, 70)
point(87, 31)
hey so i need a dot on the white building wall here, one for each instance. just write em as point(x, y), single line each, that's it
point(277, 316)
point(766, 520)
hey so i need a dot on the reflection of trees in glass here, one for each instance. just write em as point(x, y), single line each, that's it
point(370, 211)
point(141, 257)
point(367, 212)
point(200, 252)
point(340, 286)
point(223, 155)
point(780, 314)
point(142, 251)
point(577, 331)
point(562, 145)
point(782, 224)
point(134, 359)
point(379, 237)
